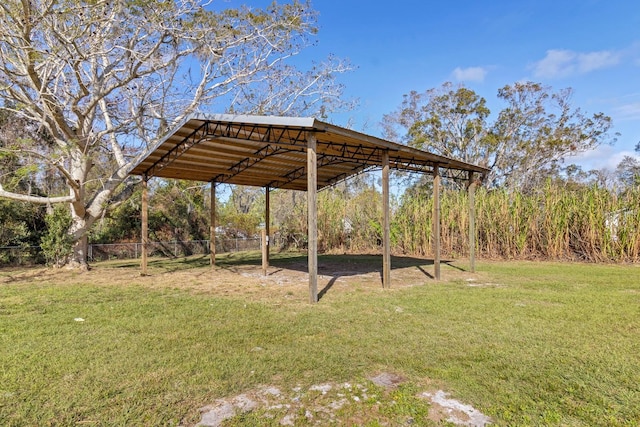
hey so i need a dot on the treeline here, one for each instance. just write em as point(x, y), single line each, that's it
point(555, 222)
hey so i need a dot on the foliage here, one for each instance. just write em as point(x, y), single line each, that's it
point(350, 219)
point(179, 210)
point(530, 344)
point(21, 227)
point(56, 243)
point(628, 171)
point(21, 223)
point(242, 215)
point(289, 218)
point(529, 138)
point(18, 169)
point(563, 220)
point(120, 224)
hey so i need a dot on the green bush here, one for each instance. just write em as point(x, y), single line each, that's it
point(56, 243)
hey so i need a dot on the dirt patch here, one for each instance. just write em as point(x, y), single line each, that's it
point(316, 405)
point(387, 380)
point(453, 411)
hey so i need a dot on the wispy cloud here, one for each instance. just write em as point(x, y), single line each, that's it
point(562, 63)
point(602, 157)
point(471, 74)
point(628, 111)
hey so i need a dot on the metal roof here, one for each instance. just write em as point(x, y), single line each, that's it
point(272, 151)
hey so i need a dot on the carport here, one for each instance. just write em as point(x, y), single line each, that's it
point(295, 153)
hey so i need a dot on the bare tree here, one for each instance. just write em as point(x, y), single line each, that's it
point(106, 79)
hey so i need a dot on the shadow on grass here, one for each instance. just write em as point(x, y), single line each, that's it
point(327, 288)
point(22, 274)
point(169, 265)
point(350, 264)
point(164, 264)
point(328, 264)
point(338, 266)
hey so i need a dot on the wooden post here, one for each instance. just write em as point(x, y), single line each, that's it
point(212, 226)
point(472, 223)
point(386, 239)
point(436, 221)
point(265, 251)
point(145, 224)
point(312, 217)
point(267, 222)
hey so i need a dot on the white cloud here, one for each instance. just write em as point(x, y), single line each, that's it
point(602, 157)
point(471, 74)
point(627, 111)
point(612, 162)
point(562, 63)
point(557, 63)
point(594, 60)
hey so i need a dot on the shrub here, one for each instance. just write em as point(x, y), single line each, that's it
point(56, 243)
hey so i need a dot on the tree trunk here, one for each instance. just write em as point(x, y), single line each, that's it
point(79, 168)
point(78, 232)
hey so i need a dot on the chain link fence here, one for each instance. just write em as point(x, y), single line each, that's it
point(30, 255)
point(168, 249)
point(20, 255)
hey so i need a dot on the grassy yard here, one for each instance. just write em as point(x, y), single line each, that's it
point(525, 343)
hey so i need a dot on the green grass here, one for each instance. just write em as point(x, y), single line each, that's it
point(538, 344)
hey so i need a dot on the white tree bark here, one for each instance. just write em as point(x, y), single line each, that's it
point(35, 199)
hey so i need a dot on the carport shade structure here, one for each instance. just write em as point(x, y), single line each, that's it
point(295, 153)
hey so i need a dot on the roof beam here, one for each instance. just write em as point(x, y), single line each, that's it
point(244, 164)
point(194, 138)
point(260, 133)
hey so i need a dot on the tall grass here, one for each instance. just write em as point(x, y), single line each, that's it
point(349, 220)
point(555, 223)
point(589, 224)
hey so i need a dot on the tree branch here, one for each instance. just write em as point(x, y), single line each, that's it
point(35, 199)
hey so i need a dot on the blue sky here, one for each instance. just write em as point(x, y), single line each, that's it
point(397, 46)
